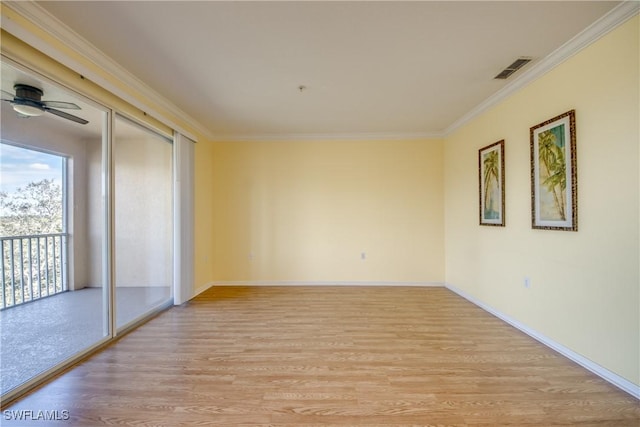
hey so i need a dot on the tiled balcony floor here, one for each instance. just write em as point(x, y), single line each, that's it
point(43, 333)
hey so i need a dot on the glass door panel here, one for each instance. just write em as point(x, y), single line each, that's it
point(53, 296)
point(143, 220)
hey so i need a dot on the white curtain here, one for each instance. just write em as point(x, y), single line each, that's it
point(183, 219)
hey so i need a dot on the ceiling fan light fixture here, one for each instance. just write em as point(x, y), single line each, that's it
point(28, 110)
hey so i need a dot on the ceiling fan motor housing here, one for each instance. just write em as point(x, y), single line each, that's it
point(28, 92)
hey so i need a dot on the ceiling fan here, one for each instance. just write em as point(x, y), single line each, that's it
point(27, 102)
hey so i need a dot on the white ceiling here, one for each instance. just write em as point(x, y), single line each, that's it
point(404, 68)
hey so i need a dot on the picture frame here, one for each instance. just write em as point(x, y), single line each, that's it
point(491, 184)
point(554, 184)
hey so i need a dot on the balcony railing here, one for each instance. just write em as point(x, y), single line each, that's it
point(32, 267)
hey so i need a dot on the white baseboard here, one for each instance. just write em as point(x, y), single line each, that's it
point(324, 283)
point(201, 289)
point(602, 372)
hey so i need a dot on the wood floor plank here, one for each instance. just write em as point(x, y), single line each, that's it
point(322, 356)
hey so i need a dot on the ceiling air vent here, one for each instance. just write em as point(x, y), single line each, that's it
point(517, 64)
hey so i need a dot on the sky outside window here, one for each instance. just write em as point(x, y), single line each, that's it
point(20, 166)
point(38, 208)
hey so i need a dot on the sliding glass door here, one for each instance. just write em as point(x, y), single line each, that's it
point(143, 214)
point(54, 296)
point(86, 227)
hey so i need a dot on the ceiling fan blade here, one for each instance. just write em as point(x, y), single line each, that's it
point(66, 116)
point(60, 104)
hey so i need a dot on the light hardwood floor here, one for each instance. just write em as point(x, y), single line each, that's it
point(320, 356)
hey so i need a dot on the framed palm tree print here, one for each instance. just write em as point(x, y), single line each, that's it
point(554, 186)
point(491, 184)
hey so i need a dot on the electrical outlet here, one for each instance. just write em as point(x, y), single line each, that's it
point(250, 256)
point(363, 255)
point(527, 282)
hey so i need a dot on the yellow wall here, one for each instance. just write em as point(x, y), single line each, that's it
point(585, 285)
point(305, 211)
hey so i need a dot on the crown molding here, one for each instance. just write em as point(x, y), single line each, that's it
point(615, 17)
point(353, 136)
point(51, 25)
